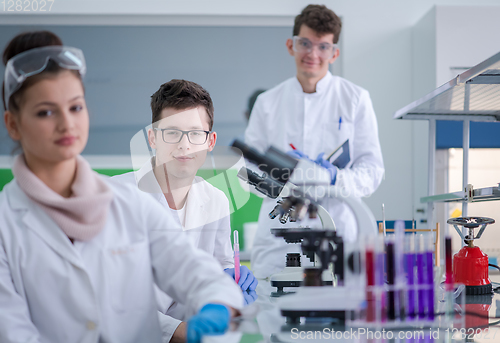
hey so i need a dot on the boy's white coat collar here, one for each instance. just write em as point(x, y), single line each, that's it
point(197, 199)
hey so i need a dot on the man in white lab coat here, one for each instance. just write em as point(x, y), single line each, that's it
point(181, 135)
point(316, 112)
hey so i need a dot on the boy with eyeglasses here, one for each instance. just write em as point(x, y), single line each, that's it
point(315, 112)
point(181, 135)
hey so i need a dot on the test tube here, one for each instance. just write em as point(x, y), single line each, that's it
point(449, 270)
point(391, 279)
point(449, 280)
point(370, 282)
point(421, 277)
point(399, 268)
point(379, 278)
point(429, 268)
point(236, 257)
point(410, 275)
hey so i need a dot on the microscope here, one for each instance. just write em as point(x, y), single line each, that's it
point(300, 186)
point(296, 209)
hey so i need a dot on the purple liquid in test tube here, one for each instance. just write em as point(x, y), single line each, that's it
point(379, 276)
point(429, 280)
point(410, 263)
point(421, 283)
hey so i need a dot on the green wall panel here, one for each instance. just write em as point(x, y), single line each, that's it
point(245, 206)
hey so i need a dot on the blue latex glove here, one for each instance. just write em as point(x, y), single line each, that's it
point(212, 319)
point(297, 154)
point(247, 282)
point(330, 167)
point(249, 297)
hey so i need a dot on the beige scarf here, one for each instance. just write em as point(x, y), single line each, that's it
point(81, 216)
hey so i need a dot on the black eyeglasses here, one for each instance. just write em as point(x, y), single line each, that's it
point(173, 136)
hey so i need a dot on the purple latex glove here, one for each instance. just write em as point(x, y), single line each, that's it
point(249, 297)
point(330, 167)
point(297, 154)
point(247, 282)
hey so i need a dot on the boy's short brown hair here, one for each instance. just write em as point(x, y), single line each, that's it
point(319, 18)
point(180, 95)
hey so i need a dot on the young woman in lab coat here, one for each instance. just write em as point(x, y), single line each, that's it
point(182, 119)
point(79, 253)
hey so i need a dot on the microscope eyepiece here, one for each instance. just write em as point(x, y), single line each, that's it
point(275, 163)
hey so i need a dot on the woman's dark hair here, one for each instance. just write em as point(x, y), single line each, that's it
point(23, 42)
point(319, 18)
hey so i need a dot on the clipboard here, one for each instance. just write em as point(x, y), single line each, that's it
point(340, 157)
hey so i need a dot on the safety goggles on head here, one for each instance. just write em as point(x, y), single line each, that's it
point(325, 50)
point(34, 61)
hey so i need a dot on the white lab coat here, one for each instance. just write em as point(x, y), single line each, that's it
point(284, 115)
point(100, 290)
point(207, 225)
point(207, 222)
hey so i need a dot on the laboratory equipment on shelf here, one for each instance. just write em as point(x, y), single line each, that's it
point(470, 264)
point(302, 185)
point(471, 96)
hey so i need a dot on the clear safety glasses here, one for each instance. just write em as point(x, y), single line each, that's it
point(173, 136)
point(304, 45)
point(34, 61)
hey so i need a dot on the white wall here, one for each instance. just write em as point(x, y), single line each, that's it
point(465, 38)
point(377, 56)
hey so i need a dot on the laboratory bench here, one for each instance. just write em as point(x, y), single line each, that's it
point(261, 321)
